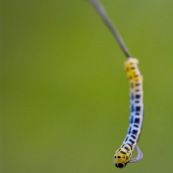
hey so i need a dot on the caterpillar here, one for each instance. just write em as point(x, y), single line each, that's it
point(123, 155)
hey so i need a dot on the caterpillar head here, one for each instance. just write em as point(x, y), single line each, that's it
point(121, 158)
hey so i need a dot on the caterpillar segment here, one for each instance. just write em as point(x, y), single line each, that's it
point(124, 153)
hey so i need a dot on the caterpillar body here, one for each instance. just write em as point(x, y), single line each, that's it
point(123, 154)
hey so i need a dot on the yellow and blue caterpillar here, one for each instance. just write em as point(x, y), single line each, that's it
point(123, 154)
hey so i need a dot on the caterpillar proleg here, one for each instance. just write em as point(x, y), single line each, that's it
point(123, 155)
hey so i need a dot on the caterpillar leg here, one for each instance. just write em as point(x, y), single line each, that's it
point(139, 155)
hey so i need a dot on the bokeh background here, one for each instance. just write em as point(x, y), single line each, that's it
point(64, 94)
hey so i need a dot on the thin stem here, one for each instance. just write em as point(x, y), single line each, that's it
point(99, 8)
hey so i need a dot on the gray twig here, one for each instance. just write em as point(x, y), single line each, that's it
point(101, 11)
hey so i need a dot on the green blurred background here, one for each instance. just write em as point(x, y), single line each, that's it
point(65, 104)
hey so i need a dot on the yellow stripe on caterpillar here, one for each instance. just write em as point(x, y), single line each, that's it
point(131, 68)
